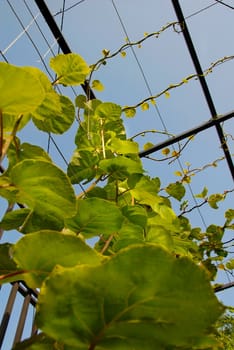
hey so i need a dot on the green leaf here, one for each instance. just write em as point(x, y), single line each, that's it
point(9, 121)
point(83, 166)
point(203, 194)
point(95, 216)
point(44, 188)
point(14, 219)
point(129, 112)
point(108, 110)
point(120, 167)
point(40, 342)
point(213, 199)
point(7, 265)
point(143, 297)
point(148, 145)
point(18, 152)
point(123, 146)
point(145, 106)
point(71, 69)
point(176, 190)
point(20, 91)
point(97, 85)
point(80, 101)
point(49, 118)
point(135, 214)
point(55, 248)
point(230, 264)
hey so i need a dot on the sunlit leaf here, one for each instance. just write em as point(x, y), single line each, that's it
point(123, 53)
point(230, 264)
point(145, 106)
point(95, 216)
point(178, 173)
point(148, 145)
point(131, 301)
point(130, 112)
point(214, 199)
point(105, 52)
point(71, 69)
point(20, 91)
point(9, 121)
point(97, 85)
point(165, 151)
point(123, 146)
point(203, 194)
point(176, 190)
point(167, 94)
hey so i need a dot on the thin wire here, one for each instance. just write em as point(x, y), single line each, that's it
point(200, 11)
point(49, 73)
point(39, 28)
point(68, 8)
point(3, 56)
point(224, 4)
point(25, 29)
point(155, 106)
point(30, 38)
point(61, 28)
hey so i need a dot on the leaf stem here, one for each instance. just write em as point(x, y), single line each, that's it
point(10, 138)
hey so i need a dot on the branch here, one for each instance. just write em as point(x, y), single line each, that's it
point(124, 47)
point(182, 82)
point(223, 287)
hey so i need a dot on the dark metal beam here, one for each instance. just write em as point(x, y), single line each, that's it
point(203, 83)
point(61, 40)
point(183, 135)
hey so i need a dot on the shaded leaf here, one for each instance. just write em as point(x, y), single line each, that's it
point(62, 249)
point(43, 187)
point(95, 216)
point(55, 114)
point(120, 167)
point(132, 301)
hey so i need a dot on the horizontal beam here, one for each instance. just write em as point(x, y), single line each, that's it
point(212, 122)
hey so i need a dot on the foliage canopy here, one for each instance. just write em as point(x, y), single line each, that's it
point(147, 281)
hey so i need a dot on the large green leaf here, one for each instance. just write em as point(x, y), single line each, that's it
point(43, 187)
point(95, 216)
point(20, 91)
point(54, 248)
point(142, 298)
point(54, 114)
point(71, 69)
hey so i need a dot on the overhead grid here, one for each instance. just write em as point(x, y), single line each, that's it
point(29, 295)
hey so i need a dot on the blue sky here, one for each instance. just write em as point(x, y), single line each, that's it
point(94, 25)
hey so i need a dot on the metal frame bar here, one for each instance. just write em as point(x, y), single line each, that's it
point(203, 83)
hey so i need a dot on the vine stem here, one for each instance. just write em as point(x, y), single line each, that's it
point(10, 138)
point(107, 243)
point(182, 82)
